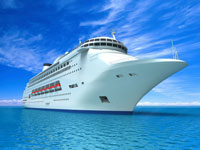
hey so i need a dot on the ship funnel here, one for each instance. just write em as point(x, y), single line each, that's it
point(46, 66)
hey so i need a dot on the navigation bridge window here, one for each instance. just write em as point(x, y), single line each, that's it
point(105, 42)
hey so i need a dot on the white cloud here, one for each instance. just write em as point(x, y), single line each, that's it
point(115, 7)
point(156, 54)
point(12, 102)
point(22, 50)
point(194, 94)
point(8, 4)
point(172, 88)
point(194, 103)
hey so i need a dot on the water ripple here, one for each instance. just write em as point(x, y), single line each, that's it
point(147, 128)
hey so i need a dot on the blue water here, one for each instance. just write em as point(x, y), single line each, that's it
point(151, 128)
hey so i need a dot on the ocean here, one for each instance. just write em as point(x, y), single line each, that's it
point(148, 128)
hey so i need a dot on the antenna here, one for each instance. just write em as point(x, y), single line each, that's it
point(175, 54)
point(113, 34)
point(172, 49)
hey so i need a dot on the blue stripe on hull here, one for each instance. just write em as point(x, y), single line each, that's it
point(85, 111)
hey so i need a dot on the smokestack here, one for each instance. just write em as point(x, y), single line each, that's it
point(46, 66)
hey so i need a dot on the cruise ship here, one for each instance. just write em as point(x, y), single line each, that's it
point(98, 75)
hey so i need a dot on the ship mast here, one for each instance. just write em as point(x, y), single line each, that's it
point(113, 34)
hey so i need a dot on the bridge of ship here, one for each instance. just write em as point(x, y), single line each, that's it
point(105, 43)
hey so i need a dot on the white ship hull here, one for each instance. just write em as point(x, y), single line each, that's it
point(97, 76)
point(107, 81)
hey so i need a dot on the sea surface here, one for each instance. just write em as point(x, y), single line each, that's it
point(148, 128)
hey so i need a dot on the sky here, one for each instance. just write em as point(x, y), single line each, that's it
point(37, 32)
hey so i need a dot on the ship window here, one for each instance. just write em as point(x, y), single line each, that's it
point(96, 39)
point(114, 41)
point(104, 99)
point(114, 45)
point(109, 40)
point(97, 44)
point(67, 63)
point(119, 46)
point(103, 39)
point(123, 47)
point(39, 92)
point(85, 45)
point(52, 87)
point(132, 74)
point(58, 67)
point(103, 43)
point(42, 92)
point(92, 40)
point(86, 41)
point(73, 85)
point(119, 75)
point(109, 44)
point(61, 66)
point(91, 44)
point(64, 65)
point(47, 88)
point(58, 87)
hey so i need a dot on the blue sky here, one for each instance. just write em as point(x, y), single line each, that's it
point(35, 32)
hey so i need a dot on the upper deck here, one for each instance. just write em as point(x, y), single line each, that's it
point(105, 43)
point(94, 43)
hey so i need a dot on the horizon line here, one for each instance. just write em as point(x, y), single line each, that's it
point(15, 102)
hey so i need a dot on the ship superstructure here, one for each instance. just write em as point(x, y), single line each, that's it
point(98, 75)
